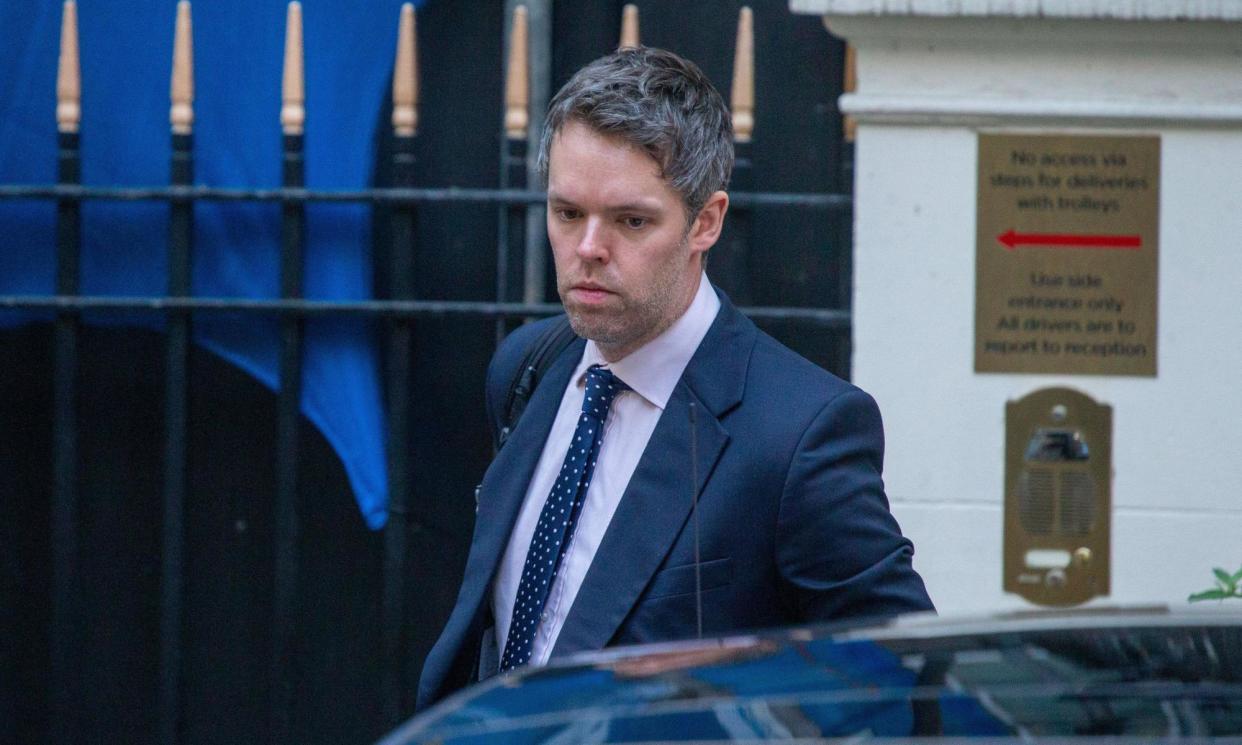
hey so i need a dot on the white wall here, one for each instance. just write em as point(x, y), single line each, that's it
point(1177, 438)
point(1177, 450)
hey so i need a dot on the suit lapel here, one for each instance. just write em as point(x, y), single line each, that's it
point(504, 485)
point(658, 499)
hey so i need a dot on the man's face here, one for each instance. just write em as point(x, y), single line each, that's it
point(627, 262)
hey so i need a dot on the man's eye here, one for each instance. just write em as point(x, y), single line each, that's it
point(635, 223)
point(567, 215)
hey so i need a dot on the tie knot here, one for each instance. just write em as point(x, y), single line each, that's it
point(601, 387)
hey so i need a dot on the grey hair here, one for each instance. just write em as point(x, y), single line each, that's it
point(659, 102)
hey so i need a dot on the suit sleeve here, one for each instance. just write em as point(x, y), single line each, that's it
point(840, 552)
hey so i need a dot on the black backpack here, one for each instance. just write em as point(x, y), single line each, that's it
point(539, 357)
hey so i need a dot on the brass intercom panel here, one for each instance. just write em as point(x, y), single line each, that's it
point(1058, 501)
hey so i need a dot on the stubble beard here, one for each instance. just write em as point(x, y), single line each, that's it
point(621, 329)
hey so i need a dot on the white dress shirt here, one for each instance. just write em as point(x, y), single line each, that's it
point(652, 372)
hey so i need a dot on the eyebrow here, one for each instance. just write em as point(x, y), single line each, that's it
point(639, 206)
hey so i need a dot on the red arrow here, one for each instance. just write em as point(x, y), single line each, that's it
point(1013, 239)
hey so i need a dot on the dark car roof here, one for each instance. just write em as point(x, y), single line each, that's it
point(1149, 673)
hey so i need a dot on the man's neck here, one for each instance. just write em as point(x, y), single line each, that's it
point(653, 369)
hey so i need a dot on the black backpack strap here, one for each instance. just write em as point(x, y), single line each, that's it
point(539, 357)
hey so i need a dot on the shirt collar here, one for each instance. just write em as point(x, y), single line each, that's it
point(653, 369)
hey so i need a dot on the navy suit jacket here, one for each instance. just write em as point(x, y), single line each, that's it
point(794, 525)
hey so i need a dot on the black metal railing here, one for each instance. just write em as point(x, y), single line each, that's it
point(520, 293)
point(291, 309)
point(828, 202)
point(826, 318)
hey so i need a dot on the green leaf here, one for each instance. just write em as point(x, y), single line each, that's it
point(1237, 576)
point(1227, 582)
point(1208, 595)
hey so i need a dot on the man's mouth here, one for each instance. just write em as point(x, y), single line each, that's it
point(589, 292)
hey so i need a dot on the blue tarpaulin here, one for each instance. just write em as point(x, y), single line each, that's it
point(126, 53)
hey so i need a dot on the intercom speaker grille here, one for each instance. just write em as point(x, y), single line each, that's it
point(1077, 503)
point(1036, 494)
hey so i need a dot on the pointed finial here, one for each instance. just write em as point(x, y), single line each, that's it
point(517, 80)
point(69, 73)
point(181, 115)
point(405, 76)
point(743, 98)
point(629, 27)
point(849, 85)
point(293, 91)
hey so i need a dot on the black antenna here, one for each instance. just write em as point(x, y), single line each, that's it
point(694, 515)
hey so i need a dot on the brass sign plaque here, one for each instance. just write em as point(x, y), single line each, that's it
point(1066, 254)
point(1058, 497)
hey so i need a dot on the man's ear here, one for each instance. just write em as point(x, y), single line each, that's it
point(707, 225)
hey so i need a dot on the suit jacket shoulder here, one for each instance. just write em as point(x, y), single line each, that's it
point(769, 354)
point(778, 379)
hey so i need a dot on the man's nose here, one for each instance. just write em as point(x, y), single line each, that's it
point(593, 246)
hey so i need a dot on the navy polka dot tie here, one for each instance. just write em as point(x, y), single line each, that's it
point(559, 517)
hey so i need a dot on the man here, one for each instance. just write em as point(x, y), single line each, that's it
point(671, 404)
